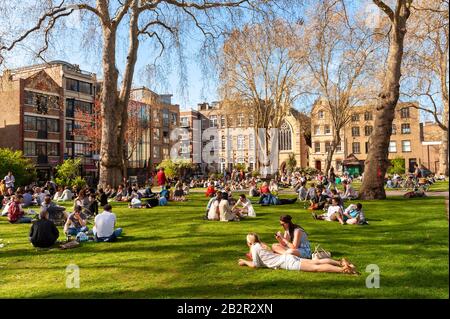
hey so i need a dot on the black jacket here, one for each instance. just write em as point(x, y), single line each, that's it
point(43, 233)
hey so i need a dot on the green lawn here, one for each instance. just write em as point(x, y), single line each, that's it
point(170, 252)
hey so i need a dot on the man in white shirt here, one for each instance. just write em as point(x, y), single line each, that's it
point(9, 180)
point(104, 225)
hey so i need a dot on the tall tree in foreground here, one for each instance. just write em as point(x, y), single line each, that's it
point(340, 58)
point(166, 22)
point(427, 68)
point(260, 74)
point(377, 161)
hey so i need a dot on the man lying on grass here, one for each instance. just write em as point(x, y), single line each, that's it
point(263, 257)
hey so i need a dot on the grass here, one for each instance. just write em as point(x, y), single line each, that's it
point(170, 252)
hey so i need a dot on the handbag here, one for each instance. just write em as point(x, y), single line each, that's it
point(320, 253)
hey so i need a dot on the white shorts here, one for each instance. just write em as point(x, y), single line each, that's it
point(291, 262)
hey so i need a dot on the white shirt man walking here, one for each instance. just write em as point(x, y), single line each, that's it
point(104, 225)
point(9, 180)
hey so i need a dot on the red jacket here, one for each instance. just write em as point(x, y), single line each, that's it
point(210, 191)
point(161, 177)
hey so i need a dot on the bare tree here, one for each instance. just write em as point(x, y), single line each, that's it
point(377, 160)
point(426, 64)
point(340, 59)
point(261, 72)
point(164, 21)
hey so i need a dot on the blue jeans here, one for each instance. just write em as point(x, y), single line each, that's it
point(24, 220)
point(113, 237)
point(73, 231)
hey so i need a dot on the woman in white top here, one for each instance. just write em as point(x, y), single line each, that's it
point(263, 257)
point(66, 195)
point(58, 194)
point(247, 207)
point(214, 213)
point(334, 212)
point(273, 187)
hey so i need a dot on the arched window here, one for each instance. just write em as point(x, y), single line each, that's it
point(285, 138)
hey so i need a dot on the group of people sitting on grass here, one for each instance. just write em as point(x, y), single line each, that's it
point(219, 208)
point(291, 252)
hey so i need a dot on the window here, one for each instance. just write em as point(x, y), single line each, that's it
point(240, 142)
point(165, 115)
point(327, 146)
point(327, 129)
point(53, 125)
point(29, 123)
point(165, 153)
point(320, 114)
point(338, 147)
point(78, 86)
point(355, 117)
point(184, 121)
point(317, 147)
point(53, 149)
point(43, 102)
point(165, 136)
point(317, 130)
point(406, 146)
point(406, 129)
point(285, 138)
point(80, 149)
point(174, 118)
point(29, 148)
point(222, 121)
point(368, 116)
point(394, 129)
point(155, 151)
point(355, 131)
point(251, 121)
point(213, 121)
point(230, 121)
point(240, 120)
point(356, 148)
point(368, 130)
point(251, 142)
point(69, 150)
point(367, 147)
point(156, 116)
point(224, 142)
point(156, 134)
point(404, 113)
point(392, 147)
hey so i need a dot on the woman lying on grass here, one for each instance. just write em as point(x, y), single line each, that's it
point(263, 257)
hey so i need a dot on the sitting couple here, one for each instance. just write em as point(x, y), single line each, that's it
point(104, 224)
point(353, 214)
point(262, 256)
point(219, 208)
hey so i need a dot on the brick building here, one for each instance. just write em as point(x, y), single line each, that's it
point(405, 141)
point(37, 105)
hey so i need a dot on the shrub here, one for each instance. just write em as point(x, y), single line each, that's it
point(22, 168)
point(68, 173)
point(397, 166)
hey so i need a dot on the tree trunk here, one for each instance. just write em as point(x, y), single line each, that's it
point(443, 153)
point(336, 141)
point(377, 160)
point(111, 151)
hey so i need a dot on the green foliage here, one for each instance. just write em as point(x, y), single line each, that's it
point(68, 173)
point(397, 166)
point(255, 174)
point(309, 171)
point(21, 167)
point(291, 163)
point(240, 167)
point(176, 168)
